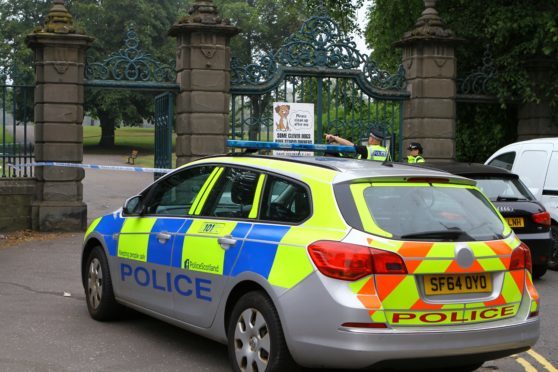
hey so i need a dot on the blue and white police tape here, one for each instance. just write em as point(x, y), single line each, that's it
point(92, 166)
point(289, 146)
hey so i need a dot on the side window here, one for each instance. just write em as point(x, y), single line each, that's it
point(552, 176)
point(174, 195)
point(504, 161)
point(285, 201)
point(233, 194)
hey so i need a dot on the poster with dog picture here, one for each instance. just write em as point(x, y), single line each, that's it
point(293, 123)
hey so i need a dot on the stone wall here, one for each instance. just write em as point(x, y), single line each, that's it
point(16, 196)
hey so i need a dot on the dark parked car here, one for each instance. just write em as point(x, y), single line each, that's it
point(525, 215)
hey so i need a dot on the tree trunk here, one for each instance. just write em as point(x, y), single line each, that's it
point(108, 121)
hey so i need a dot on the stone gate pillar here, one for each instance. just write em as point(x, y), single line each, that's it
point(536, 119)
point(203, 73)
point(430, 67)
point(59, 69)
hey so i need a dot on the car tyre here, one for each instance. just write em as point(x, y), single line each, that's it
point(99, 294)
point(553, 260)
point(255, 337)
point(539, 271)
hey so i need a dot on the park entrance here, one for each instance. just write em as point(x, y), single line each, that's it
point(322, 66)
point(131, 68)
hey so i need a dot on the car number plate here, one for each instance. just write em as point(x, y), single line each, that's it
point(515, 221)
point(456, 284)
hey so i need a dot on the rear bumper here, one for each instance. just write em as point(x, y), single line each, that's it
point(540, 245)
point(361, 350)
point(312, 320)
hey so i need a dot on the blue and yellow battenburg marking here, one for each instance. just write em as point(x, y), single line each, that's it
point(276, 252)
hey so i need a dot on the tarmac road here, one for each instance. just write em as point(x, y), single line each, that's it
point(44, 324)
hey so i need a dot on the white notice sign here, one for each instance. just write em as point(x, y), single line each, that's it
point(293, 123)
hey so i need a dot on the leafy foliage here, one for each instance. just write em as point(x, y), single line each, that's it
point(516, 31)
point(482, 129)
point(108, 21)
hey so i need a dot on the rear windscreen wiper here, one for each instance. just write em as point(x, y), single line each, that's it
point(454, 235)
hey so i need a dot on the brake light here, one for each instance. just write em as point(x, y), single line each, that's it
point(347, 261)
point(427, 180)
point(542, 218)
point(521, 258)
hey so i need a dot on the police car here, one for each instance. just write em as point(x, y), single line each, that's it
point(318, 262)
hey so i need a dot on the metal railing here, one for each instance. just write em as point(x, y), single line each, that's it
point(16, 129)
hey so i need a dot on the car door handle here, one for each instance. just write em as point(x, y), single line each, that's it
point(163, 237)
point(226, 242)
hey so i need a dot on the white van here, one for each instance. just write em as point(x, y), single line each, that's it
point(536, 163)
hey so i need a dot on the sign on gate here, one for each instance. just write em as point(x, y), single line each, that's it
point(293, 123)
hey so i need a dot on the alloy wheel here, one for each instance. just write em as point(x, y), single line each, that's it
point(252, 341)
point(95, 283)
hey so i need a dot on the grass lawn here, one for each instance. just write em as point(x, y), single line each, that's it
point(126, 140)
point(9, 138)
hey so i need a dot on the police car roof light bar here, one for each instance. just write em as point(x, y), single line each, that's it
point(262, 145)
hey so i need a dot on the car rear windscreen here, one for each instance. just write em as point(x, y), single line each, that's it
point(432, 212)
point(501, 189)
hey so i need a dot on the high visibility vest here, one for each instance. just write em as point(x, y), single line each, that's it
point(376, 152)
point(415, 159)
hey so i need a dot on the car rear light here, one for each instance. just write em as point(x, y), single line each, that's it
point(542, 218)
point(364, 325)
point(521, 258)
point(347, 261)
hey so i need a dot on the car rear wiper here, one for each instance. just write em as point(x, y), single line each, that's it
point(509, 198)
point(453, 235)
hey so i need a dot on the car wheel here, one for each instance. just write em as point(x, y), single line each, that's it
point(98, 287)
point(553, 261)
point(255, 337)
point(539, 271)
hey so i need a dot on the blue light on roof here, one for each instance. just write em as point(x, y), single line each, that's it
point(257, 145)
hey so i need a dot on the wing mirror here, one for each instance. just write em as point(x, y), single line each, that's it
point(133, 206)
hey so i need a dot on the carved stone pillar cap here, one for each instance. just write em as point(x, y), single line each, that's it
point(203, 14)
point(58, 21)
point(429, 26)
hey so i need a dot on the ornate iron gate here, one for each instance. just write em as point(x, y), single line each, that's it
point(164, 117)
point(133, 68)
point(16, 131)
point(319, 65)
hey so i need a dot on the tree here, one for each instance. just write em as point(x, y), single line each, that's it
point(108, 21)
point(514, 31)
point(17, 19)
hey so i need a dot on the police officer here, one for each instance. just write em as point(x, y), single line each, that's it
point(373, 151)
point(415, 153)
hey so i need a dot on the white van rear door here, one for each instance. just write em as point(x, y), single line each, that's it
point(532, 164)
point(550, 191)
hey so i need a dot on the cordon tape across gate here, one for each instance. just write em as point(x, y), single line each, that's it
point(254, 145)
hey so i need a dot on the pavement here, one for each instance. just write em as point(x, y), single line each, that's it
point(105, 191)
